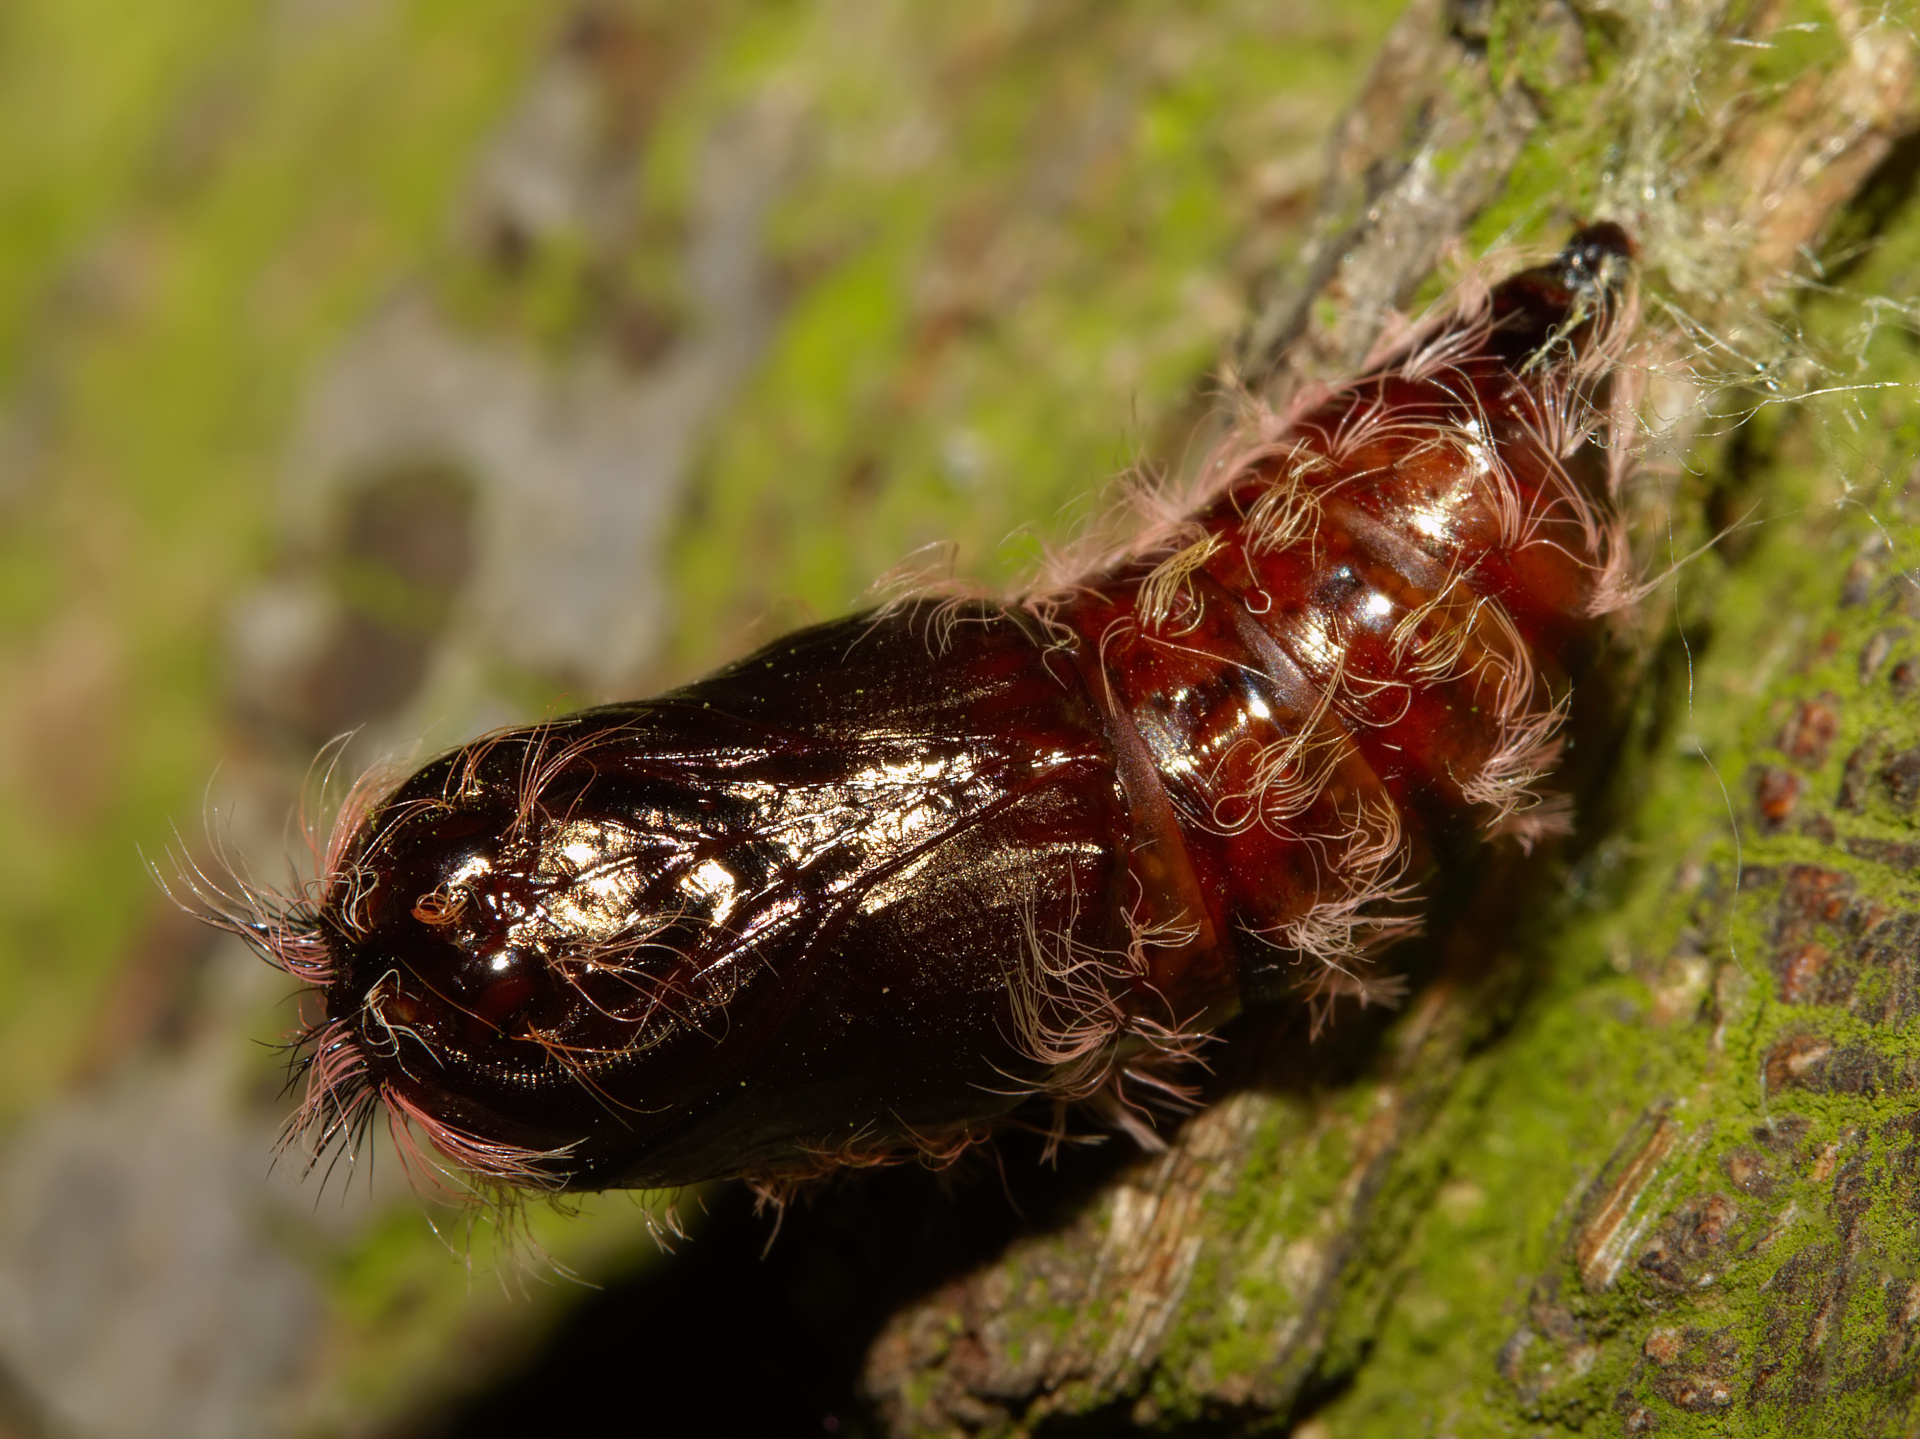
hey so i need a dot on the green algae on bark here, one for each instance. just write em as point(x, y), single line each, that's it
point(985, 261)
point(1731, 1021)
point(1594, 1112)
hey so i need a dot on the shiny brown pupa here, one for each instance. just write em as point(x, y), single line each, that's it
point(869, 891)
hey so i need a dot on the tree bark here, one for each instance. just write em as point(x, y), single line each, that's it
point(1639, 1153)
point(554, 349)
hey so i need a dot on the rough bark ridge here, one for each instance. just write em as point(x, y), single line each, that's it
point(1639, 1159)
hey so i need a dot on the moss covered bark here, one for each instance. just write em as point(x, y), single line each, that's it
point(1635, 1152)
point(1647, 1164)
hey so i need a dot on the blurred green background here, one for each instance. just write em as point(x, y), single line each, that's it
point(406, 367)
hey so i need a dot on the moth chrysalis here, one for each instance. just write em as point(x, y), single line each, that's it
point(872, 889)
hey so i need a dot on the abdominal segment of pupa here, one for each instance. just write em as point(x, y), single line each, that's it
point(872, 889)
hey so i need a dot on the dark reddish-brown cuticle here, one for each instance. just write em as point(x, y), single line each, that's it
point(870, 890)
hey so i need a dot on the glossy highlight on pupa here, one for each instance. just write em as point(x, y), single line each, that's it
point(878, 887)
